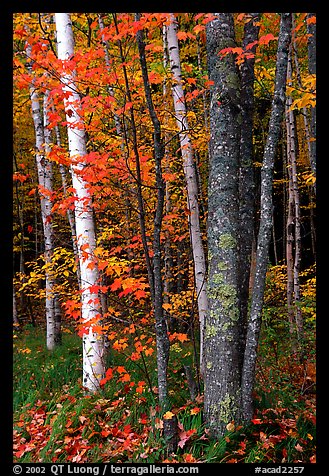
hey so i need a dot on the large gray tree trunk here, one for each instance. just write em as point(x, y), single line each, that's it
point(223, 322)
point(264, 234)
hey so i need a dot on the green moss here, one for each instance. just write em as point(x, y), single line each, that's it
point(226, 294)
point(228, 408)
point(222, 266)
point(225, 326)
point(211, 331)
point(218, 278)
point(213, 315)
point(226, 241)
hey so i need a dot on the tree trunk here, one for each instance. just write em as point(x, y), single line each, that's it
point(246, 173)
point(294, 190)
point(168, 257)
point(222, 360)
point(162, 340)
point(70, 213)
point(138, 178)
point(44, 170)
point(15, 315)
point(264, 234)
point(311, 44)
point(190, 177)
point(289, 250)
point(93, 348)
point(53, 311)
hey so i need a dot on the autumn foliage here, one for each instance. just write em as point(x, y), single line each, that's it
point(54, 420)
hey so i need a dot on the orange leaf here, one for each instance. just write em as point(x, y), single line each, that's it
point(168, 415)
point(149, 351)
point(116, 284)
point(125, 378)
point(189, 458)
point(121, 369)
point(181, 35)
point(105, 433)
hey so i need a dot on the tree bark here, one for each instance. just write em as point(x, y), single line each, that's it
point(190, 177)
point(264, 234)
point(170, 427)
point(294, 191)
point(70, 213)
point(311, 44)
point(222, 360)
point(53, 310)
point(160, 323)
point(246, 172)
point(15, 314)
point(289, 249)
point(44, 171)
point(138, 178)
point(93, 348)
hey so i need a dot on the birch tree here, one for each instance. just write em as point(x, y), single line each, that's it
point(311, 44)
point(190, 176)
point(93, 348)
point(294, 221)
point(44, 171)
point(264, 234)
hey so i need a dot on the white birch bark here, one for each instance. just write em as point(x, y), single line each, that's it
point(70, 213)
point(44, 171)
point(52, 305)
point(93, 348)
point(292, 164)
point(190, 176)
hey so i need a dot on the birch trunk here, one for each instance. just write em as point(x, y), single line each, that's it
point(311, 44)
point(52, 300)
point(168, 259)
point(190, 177)
point(264, 234)
point(289, 250)
point(70, 213)
point(93, 347)
point(294, 190)
point(44, 171)
point(222, 359)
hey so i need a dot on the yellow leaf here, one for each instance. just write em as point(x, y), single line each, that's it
point(168, 415)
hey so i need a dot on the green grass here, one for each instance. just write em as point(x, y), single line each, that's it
point(38, 373)
point(55, 422)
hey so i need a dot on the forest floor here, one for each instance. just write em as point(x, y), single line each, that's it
point(55, 422)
